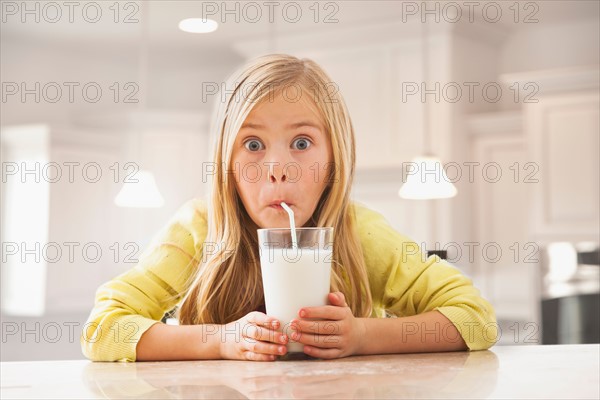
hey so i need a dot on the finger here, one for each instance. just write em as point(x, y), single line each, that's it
point(252, 356)
point(263, 348)
point(311, 339)
point(325, 312)
point(317, 327)
point(325, 353)
point(338, 299)
point(265, 335)
point(263, 319)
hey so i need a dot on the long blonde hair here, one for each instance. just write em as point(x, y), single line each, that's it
point(228, 283)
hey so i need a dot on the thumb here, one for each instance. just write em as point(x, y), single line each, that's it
point(338, 298)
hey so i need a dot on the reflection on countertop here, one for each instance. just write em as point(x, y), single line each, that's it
point(563, 371)
point(451, 375)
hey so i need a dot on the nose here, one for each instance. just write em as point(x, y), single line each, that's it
point(276, 172)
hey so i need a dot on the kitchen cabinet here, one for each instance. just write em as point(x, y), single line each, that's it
point(508, 262)
point(563, 135)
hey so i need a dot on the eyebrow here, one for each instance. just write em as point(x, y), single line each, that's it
point(290, 126)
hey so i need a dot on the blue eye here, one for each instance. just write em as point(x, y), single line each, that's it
point(305, 143)
point(254, 145)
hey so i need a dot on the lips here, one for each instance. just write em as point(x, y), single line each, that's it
point(277, 203)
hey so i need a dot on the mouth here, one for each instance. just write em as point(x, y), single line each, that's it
point(276, 205)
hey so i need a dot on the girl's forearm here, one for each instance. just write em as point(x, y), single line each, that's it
point(427, 332)
point(162, 342)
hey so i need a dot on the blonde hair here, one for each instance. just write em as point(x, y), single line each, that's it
point(228, 283)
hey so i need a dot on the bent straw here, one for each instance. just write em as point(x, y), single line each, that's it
point(292, 224)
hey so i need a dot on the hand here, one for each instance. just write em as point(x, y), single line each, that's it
point(339, 335)
point(253, 337)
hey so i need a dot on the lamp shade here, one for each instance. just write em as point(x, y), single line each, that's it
point(562, 262)
point(426, 179)
point(198, 25)
point(141, 194)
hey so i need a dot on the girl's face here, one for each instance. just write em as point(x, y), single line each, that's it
point(281, 153)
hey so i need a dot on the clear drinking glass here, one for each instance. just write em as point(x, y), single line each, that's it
point(295, 278)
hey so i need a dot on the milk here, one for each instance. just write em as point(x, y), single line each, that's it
point(292, 279)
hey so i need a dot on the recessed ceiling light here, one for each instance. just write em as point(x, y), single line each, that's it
point(198, 25)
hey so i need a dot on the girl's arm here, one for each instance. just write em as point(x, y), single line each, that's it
point(164, 342)
point(253, 337)
point(427, 332)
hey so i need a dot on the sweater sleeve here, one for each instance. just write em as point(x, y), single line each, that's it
point(129, 304)
point(404, 282)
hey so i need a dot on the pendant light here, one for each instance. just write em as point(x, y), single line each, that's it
point(144, 193)
point(429, 180)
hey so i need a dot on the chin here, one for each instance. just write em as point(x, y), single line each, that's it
point(277, 224)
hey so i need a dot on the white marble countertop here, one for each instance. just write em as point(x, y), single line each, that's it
point(548, 372)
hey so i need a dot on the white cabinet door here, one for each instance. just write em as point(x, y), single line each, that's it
point(506, 259)
point(563, 134)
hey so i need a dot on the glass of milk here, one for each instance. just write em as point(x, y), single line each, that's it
point(296, 272)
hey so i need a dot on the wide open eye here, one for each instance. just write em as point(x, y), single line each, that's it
point(253, 145)
point(303, 143)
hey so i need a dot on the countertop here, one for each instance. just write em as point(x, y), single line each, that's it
point(536, 371)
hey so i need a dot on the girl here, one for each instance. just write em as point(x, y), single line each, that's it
point(283, 133)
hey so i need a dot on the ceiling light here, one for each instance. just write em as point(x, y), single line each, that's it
point(142, 192)
point(431, 182)
point(198, 25)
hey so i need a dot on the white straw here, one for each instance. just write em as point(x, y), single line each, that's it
point(292, 224)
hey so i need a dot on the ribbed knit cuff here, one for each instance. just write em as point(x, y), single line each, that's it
point(115, 340)
point(477, 332)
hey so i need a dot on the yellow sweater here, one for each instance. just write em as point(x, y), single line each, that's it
point(401, 282)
